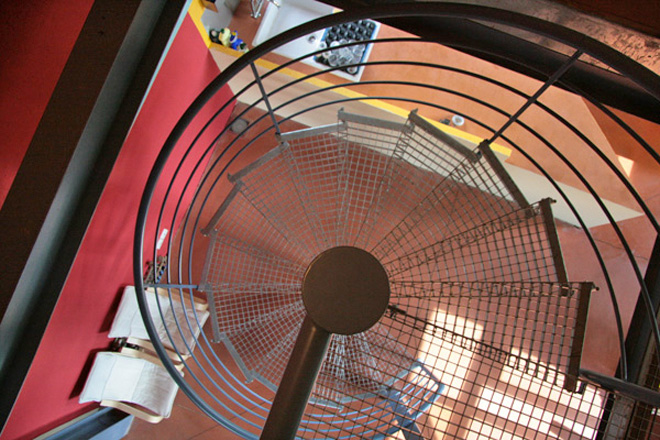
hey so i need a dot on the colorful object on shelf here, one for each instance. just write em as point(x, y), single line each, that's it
point(214, 35)
point(228, 38)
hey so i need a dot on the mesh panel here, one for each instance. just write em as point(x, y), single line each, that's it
point(481, 318)
point(441, 206)
point(491, 392)
point(638, 420)
point(359, 366)
point(531, 327)
point(513, 247)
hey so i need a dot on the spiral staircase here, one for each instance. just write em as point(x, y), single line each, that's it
point(428, 208)
point(482, 333)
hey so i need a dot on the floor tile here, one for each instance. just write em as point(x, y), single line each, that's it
point(185, 422)
point(216, 433)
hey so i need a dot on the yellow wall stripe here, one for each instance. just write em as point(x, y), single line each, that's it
point(195, 12)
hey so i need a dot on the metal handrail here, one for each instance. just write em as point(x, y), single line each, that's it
point(641, 75)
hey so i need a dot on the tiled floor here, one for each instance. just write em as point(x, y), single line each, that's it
point(186, 422)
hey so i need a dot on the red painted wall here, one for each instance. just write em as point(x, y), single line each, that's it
point(35, 42)
point(81, 320)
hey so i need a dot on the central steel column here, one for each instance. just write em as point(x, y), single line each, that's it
point(346, 291)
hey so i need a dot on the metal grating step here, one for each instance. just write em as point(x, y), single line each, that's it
point(452, 230)
point(520, 245)
point(359, 366)
point(535, 328)
point(470, 194)
point(250, 346)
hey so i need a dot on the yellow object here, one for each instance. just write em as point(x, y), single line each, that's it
point(225, 36)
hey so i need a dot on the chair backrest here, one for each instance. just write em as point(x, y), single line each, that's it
point(117, 377)
point(190, 318)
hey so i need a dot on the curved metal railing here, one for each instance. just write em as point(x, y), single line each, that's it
point(189, 177)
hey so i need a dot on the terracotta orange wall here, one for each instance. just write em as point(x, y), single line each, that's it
point(79, 325)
